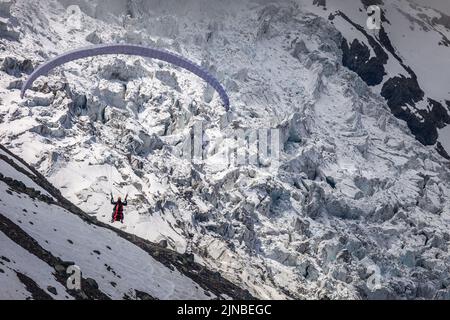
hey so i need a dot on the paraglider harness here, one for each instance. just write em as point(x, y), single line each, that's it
point(117, 214)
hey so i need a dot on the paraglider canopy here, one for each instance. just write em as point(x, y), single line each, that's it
point(128, 49)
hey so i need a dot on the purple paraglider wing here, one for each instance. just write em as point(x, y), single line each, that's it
point(128, 49)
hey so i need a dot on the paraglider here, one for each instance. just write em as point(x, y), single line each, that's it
point(128, 49)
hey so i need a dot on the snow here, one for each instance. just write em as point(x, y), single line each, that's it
point(17, 162)
point(444, 137)
point(415, 36)
point(441, 5)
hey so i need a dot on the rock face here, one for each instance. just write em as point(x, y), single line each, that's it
point(346, 204)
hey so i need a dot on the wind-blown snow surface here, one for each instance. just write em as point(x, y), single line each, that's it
point(352, 193)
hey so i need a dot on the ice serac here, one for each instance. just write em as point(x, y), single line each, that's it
point(409, 76)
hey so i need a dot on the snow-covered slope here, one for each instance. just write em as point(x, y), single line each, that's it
point(353, 197)
point(40, 238)
point(407, 61)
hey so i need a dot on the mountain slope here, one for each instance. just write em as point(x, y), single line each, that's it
point(406, 61)
point(40, 238)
